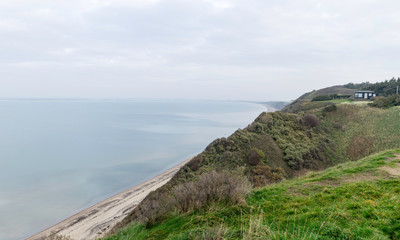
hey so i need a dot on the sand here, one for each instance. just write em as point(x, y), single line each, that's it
point(96, 221)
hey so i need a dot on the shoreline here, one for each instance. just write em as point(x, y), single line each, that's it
point(95, 221)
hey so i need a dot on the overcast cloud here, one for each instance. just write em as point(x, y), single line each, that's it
point(205, 49)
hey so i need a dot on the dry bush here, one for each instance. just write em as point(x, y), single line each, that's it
point(154, 207)
point(212, 187)
point(263, 175)
point(310, 120)
point(209, 188)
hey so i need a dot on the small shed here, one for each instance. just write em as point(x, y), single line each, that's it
point(364, 94)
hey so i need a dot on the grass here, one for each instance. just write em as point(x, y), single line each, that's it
point(363, 130)
point(354, 200)
point(339, 100)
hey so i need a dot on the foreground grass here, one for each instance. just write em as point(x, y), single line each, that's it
point(354, 200)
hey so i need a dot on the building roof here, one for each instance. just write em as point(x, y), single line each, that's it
point(364, 91)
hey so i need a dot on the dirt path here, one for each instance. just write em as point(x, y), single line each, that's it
point(395, 171)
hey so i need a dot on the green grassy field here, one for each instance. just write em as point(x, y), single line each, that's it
point(354, 200)
point(339, 100)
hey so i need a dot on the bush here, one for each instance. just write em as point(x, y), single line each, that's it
point(212, 187)
point(330, 108)
point(330, 97)
point(310, 120)
point(294, 156)
point(195, 163)
point(255, 156)
point(386, 102)
point(322, 98)
point(154, 207)
point(263, 175)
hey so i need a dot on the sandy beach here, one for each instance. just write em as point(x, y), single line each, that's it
point(96, 221)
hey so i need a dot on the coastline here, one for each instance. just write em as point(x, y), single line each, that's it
point(95, 221)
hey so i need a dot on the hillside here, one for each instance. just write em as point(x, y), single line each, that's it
point(305, 103)
point(355, 200)
point(276, 147)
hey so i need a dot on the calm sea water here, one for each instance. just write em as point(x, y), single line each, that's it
point(58, 157)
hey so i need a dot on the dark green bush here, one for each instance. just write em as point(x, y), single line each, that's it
point(330, 108)
point(195, 163)
point(386, 102)
point(322, 98)
point(255, 156)
point(329, 97)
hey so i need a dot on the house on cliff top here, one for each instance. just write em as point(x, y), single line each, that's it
point(364, 94)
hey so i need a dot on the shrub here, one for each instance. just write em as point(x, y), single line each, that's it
point(386, 102)
point(330, 108)
point(322, 98)
point(230, 160)
point(212, 187)
point(263, 175)
point(154, 207)
point(255, 156)
point(310, 120)
point(255, 127)
point(195, 163)
point(330, 97)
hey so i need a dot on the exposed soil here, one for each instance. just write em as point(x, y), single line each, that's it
point(393, 170)
point(359, 177)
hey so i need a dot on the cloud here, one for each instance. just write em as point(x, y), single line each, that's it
point(11, 25)
point(225, 49)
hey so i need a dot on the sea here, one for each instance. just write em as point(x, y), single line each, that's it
point(60, 156)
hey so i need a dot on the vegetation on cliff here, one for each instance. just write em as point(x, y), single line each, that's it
point(207, 197)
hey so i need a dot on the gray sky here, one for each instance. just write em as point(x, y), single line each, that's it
point(206, 49)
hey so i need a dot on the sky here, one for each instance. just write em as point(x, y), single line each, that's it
point(194, 49)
